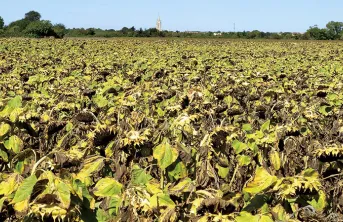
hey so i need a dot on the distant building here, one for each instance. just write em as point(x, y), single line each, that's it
point(192, 32)
point(217, 34)
point(159, 24)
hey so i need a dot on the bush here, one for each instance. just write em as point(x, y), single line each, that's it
point(59, 30)
point(13, 31)
point(39, 29)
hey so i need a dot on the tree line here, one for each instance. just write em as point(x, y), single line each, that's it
point(33, 26)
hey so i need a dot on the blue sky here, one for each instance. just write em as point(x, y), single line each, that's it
point(200, 15)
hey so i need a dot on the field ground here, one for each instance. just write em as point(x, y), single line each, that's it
point(166, 129)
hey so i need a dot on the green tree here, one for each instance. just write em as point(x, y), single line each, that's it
point(317, 34)
point(32, 16)
point(40, 29)
point(334, 29)
point(90, 31)
point(21, 24)
point(2, 23)
point(254, 34)
point(59, 30)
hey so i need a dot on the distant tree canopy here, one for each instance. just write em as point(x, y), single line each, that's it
point(2, 23)
point(332, 31)
point(32, 16)
point(32, 26)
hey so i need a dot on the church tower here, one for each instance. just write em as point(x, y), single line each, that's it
point(159, 24)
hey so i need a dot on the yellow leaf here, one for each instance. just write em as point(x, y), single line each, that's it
point(10, 185)
point(107, 187)
point(195, 205)
point(22, 206)
point(261, 181)
point(275, 159)
point(153, 188)
point(4, 129)
point(91, 165)
point(14, 143)
point(161, 200)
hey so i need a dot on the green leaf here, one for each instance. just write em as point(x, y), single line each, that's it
point(102, 216)
point(222, 171)
point(265, 126)
point(100, 101)
point(69, 126)
point(320, 203)
point(325, 110)
point(25, 189)
point(63, 194)
point(107, 187)
point(161, 200)
point(81, 190)
point(14, 143)
point(244, 160)
point(109, 149)
point(228, 100)
point(2, 200)
point(280, 213)
point(245, 216)
point(19, 167)
point(165, 155)
point(113, 205)
point(4, 129)
point(15, 102)
point(265, 218)
point(261, 181)
point(139, 177)
point(3, 155)
point(178, 170)
point(247, 127)
point(239, 146)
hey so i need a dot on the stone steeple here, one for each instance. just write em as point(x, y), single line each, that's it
point(159, 24)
